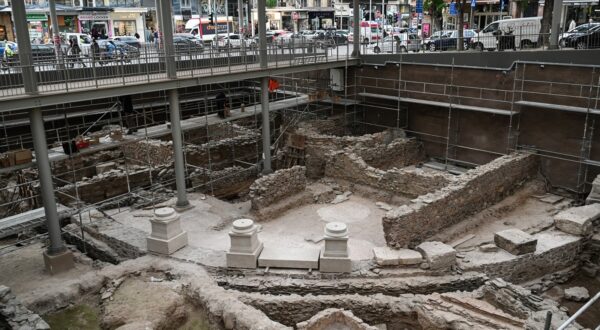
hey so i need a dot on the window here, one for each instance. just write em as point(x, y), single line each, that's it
point(186, 4)
point(491, 28)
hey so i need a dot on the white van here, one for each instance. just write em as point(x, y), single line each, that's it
point(526, 31)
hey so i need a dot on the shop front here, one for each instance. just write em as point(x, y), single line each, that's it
point(37, 24)
point(319, 20)
point(6, 28)
point(128, 21)
point(68, 23)
point(96, 24)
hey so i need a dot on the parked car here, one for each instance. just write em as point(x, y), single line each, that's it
point(83, 40)
point(131, 41)
point(115, 50)
point(583, 28)
point(450, 40)
point(229, 41)
point(399, 43)
point(186, 45)
point(41, 53)
point(436, 35)
point(583, 40)
point(291, 40)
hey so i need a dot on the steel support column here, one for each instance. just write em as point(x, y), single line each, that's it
point(556, 20)
point(266, 131)
point(45, 176)
point(241, 17)
point(262, 33)
point(22, 32)
point(182, 201)
point(356, 27)
point(167, 37)
point(55, 30)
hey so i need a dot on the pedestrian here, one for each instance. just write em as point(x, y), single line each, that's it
point(572, 25)
point(155, 35)
point(222, 106)
point(95, 50)
point(75, 52)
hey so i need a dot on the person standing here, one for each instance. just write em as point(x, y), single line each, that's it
point(572, 25)
point(221, 103)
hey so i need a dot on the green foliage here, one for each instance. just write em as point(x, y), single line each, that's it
point(435, 6)
point(271, 3)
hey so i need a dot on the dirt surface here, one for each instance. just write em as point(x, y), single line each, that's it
point(24, 272)
point(590, 318)
point(140, 303)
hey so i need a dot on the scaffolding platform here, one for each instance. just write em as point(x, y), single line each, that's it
point(17, 223)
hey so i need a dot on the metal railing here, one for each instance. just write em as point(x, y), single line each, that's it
point(579, 312)
point(148, 64)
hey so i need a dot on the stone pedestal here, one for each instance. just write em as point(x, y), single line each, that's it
point(59, 262)
point(245, 246)
point(437, 254)
point(167, 236)
point(334, 257)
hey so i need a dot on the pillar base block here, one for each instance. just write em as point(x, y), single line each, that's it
point(183, 208)
point(335, 265)
point(244, 260)
point(58, 263)
point(168, 246)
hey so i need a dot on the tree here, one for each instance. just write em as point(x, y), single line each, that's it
point(271, 3)
point(546, 22)
point(435, 8)
point(461, 20)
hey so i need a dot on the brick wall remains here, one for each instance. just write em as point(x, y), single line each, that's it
point(82, 165)
point(470, 193)
point(275, 187)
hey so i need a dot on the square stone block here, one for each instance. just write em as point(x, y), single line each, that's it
point(243, 260)
point(577, 220)
point(335, 265)
point(58, 263)
point(243, 243)
point(169, 246)
point(515, 241)
point(386, 256)
point(336, 247)
point(409, 257)
point(280, 257)
point(437, 254)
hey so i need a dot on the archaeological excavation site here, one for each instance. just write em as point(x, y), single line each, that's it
point(425, 193)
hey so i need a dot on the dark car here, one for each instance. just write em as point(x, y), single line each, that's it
point(187, 45)
point(584, 40)
point(131, 41)
point(449, 40)
point(41, 53)
point(121, 51)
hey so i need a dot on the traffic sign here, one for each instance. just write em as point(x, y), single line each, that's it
point(453, 9)
point(473, 3)
point(419, 6)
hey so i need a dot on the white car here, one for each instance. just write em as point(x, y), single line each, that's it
point(399, 43)
point(231, 40)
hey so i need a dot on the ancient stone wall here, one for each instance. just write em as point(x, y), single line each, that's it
point(224, 183)
point(470, 193)
point(563, 253)
point(152, 152)
point(413, 182)
point(276, 186)
point(16, 315)
point(318, 145)
point(79, 166)
point(106, 185)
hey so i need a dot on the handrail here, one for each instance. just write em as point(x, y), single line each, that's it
point(579, 312)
